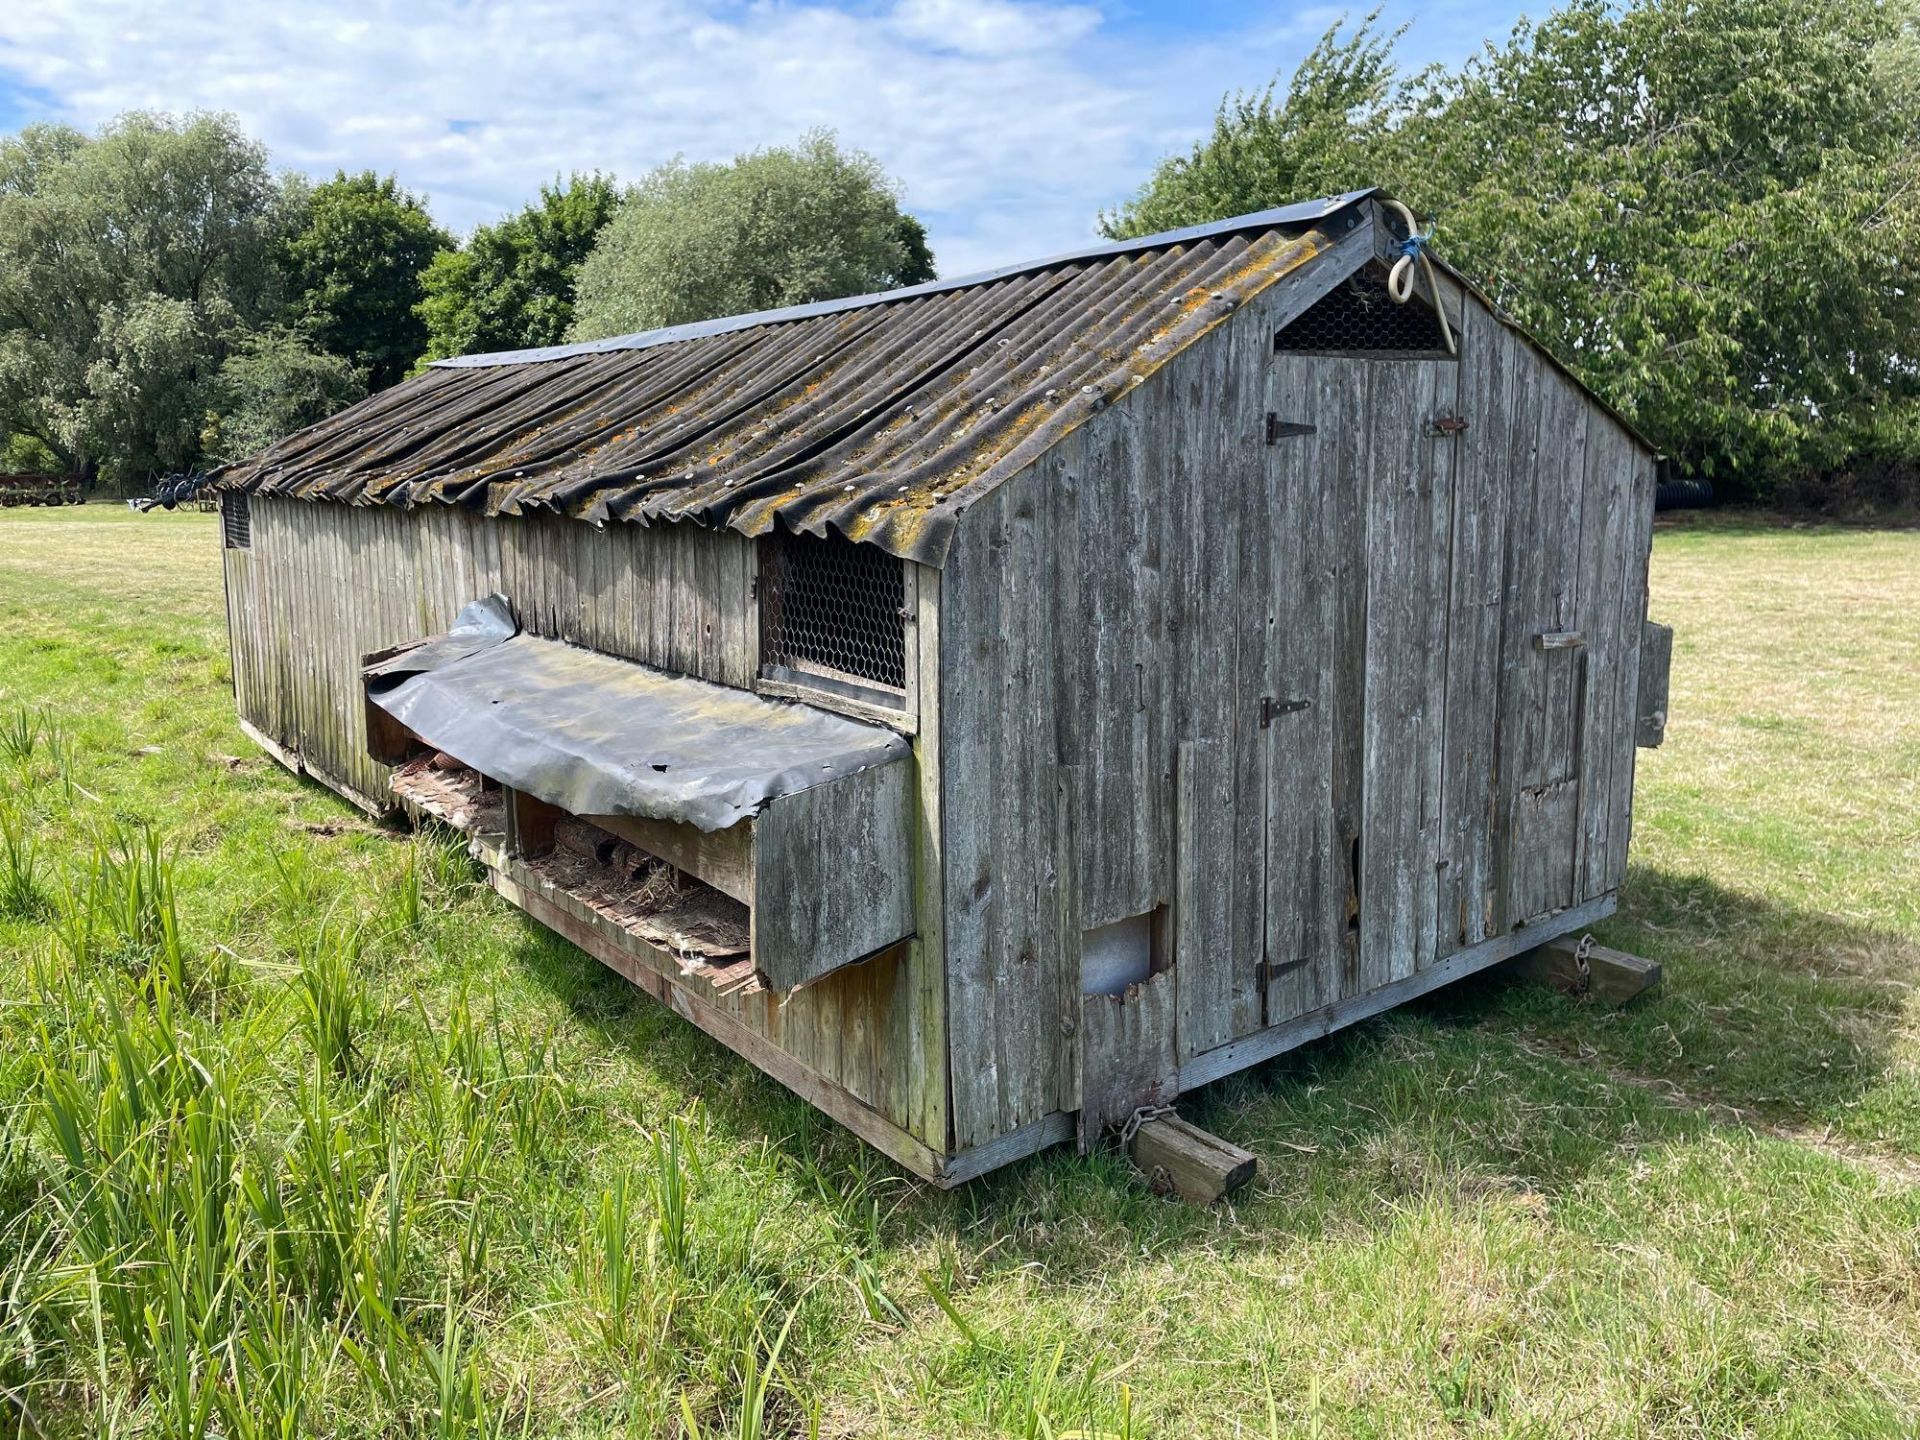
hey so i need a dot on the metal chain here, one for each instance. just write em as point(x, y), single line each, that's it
point(1139, 1118)
point(1580, 964)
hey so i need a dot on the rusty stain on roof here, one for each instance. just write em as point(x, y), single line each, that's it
point(880, 419)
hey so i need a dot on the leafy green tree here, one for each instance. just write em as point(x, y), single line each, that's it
point(511, 285)
point(1329, 131)
point(353, 263)
point(128, 262)
point(272, 384)
point(916, 255)
point(24, 455)
point(775, 227)
point(1710, 209)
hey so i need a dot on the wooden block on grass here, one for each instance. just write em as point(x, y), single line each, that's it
point(1612, 977)
point(1198, 1166)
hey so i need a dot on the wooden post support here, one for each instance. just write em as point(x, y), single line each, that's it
point(1576, 966)
point(1656, 659)
point(530, 824)
point(1186, 1159)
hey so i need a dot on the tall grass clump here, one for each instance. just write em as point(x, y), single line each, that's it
point(119, 909)
point(755, 1373)
point(21, 731)
point(335, 1009)
point(481, 1101)
point(609, 1274)
point(29, 737)
point(634, 1268)
point(405, 899)
point(24, 893)
point(675, 1162)
point(145, 1121)
point(300, 885)
point(274, 1369)
point(447, 868)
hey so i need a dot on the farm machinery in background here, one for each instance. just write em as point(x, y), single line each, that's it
point(174, 491)
point(39, 490)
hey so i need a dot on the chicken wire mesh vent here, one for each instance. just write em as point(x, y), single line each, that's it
point(831, 605)
point(236, 521)
point(1360, 318)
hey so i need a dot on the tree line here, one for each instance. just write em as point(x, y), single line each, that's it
point(167, 301)
point(1708, 209)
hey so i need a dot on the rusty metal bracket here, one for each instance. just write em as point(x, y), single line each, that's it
point(1449, 424)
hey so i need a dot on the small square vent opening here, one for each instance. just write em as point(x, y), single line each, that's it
point(834, 609)
point(1124, 953)
point(236, 521)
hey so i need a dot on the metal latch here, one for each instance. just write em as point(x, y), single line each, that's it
point(1278, 429)
point(1269, 707)
point(1559, 640)
point(1449, 424)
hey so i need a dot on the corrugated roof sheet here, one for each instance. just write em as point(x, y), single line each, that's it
point(1302, 213)
point(879, 417)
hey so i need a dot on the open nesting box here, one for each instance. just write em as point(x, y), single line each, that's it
point(758, 842)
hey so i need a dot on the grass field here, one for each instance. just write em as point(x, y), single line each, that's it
point(304, 1132)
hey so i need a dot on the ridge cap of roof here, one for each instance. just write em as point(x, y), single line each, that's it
point(1298, 213)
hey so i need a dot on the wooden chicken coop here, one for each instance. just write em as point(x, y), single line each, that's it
point(998, 706)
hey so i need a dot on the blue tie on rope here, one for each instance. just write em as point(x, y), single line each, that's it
point(1413, 256)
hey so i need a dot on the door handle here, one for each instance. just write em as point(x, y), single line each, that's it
point(1559, 640)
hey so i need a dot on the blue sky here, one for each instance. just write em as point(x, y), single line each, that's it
point(1009, 123)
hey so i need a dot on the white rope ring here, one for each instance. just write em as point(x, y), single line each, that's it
point(1400, 279)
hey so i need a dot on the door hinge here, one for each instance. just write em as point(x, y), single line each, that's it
point(1278, 429)
point(1270, 707)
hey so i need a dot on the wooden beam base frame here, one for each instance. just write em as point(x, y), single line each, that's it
point(1575, 966)
point(658, 974)
point(1179, 1157)
point(1261, 1045)
point(294, 763)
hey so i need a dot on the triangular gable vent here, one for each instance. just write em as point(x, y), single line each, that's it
point(1359, 318)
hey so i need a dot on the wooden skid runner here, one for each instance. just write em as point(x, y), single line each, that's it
point(1580, 967)
point(1188, 1161)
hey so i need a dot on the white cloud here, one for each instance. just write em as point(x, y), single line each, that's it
point(1008, 122)
point(991, 27)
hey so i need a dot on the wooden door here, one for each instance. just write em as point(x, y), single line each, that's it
point(1409, 487)
point(1351, 713)
point(1305, 719)
point(1547, 655)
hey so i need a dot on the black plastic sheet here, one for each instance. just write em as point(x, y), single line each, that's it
point(600, 736)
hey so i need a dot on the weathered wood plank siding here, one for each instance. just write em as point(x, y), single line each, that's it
point(324, 584)
point(1308, 752)
point(1483, 501)
point(1408, 476)
point(1098, 611)
point(330, 583)
point(1429, 777)
point(1284, 690)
